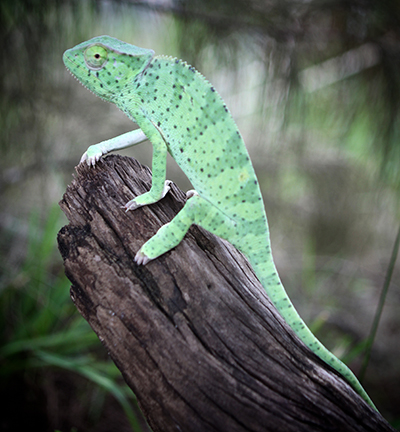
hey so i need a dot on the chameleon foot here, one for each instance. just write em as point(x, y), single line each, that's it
point(141, 258)
point(191, 193)
point(132, 205)
point(92, 155)
point(146, 198)
point(167, 187)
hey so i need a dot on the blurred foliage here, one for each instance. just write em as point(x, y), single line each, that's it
point(291, 39)
point(315, 88)
point(43, 331)
point(291, 36)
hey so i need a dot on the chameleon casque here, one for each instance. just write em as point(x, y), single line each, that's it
point(180, 112)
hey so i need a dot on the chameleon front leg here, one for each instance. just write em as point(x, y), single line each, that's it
point(196, 210)
point(94, 152)
point(159, 185)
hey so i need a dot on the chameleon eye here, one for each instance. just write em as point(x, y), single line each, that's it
point(96, 57)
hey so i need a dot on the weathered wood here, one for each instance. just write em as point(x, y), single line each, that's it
point(193, 332)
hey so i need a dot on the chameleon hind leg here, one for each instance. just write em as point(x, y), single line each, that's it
point(196, 210)
point(201, 212)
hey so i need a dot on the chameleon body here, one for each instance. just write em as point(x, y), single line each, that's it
point(180, 112)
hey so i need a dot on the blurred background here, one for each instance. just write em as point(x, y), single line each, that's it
point(314, 86)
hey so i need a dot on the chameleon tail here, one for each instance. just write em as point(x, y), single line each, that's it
point(260, 258)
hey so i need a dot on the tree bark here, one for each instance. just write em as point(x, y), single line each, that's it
point(193, 332)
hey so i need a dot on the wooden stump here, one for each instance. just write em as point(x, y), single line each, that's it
point(193, 332)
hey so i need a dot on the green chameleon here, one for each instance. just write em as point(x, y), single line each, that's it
point(180, 112)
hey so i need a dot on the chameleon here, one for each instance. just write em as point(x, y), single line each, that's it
point(181, 113)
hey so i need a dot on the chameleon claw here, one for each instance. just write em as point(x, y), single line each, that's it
point(191, 193)
point(92, 155)
point(141, 258)
point(84, 158)
point(131, 205)
point(167, 187)
point(90, 160)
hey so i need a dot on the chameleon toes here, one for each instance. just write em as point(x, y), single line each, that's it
point(90, 161)
point(191, 193)
point(131, 205)
point(141, 258)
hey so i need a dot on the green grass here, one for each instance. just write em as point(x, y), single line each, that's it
point(41, 328)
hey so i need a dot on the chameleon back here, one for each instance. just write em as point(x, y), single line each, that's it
point(200, 134)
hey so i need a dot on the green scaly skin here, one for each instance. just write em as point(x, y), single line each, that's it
point(180, 112)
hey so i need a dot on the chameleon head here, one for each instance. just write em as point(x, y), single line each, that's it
point(106, 65)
